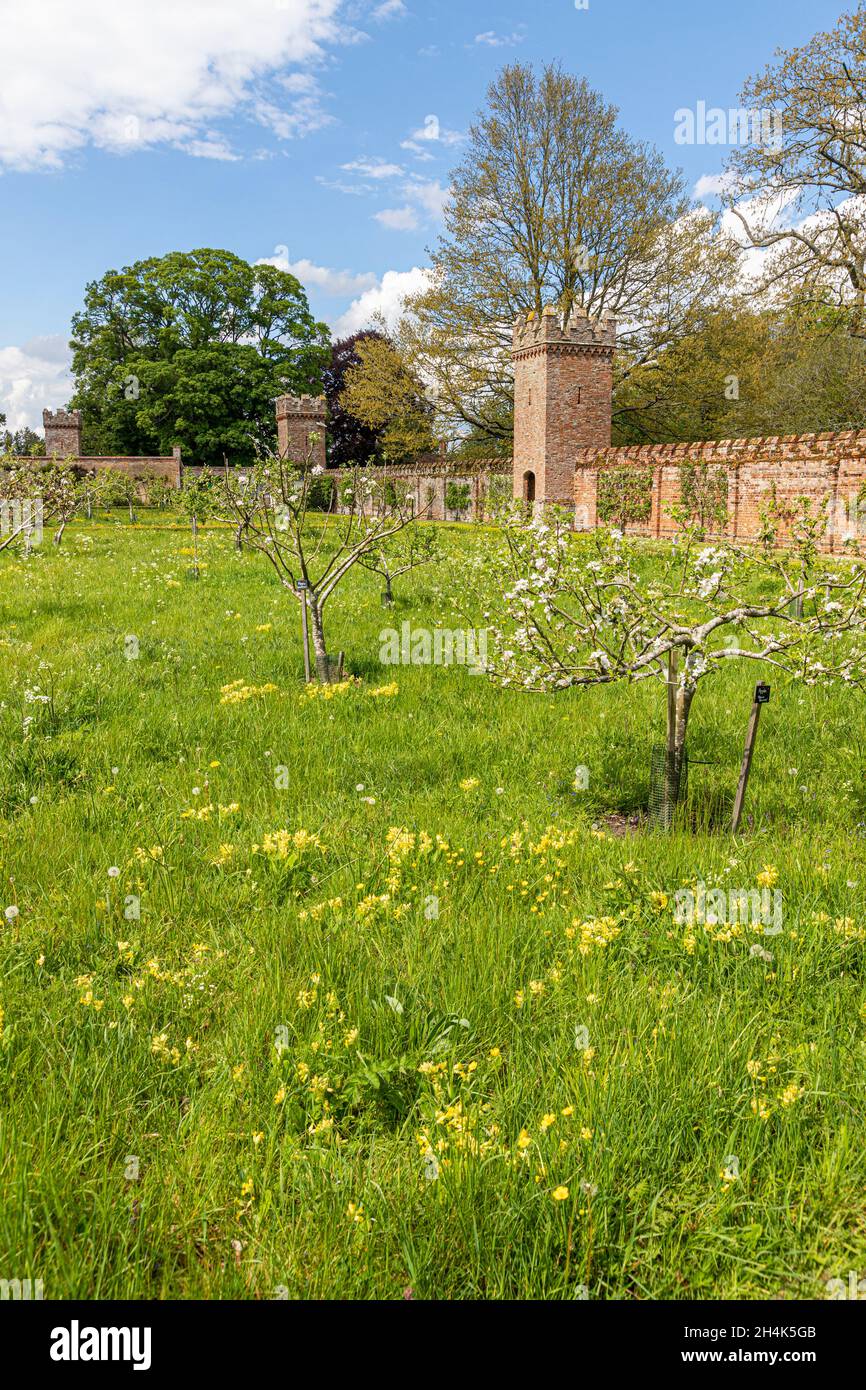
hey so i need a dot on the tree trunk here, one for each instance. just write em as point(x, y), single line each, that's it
point(323, 672)
point(58, 534)
point(679, 703)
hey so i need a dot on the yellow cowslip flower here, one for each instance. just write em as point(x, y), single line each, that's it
point(560, 1194)
point(547, 1122)
point(258, 1136)
point(586, 1133)
point(519, 999)
point(494, 1053)
point(567, 1112)
point(523, 1140)
point(468, 784)
point(769, 878)
point(280, 1096)
point(659, 901)
point(792, 1094)
point(753, 1068)
point(247, 1188)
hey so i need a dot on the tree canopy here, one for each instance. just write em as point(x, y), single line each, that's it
point(554, 203)
point(191, 349)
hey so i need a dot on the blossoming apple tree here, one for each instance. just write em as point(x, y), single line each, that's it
point(578, 611)
point(274, 506)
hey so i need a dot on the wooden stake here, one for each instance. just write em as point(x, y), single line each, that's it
point(302, 586)
point(762, 697)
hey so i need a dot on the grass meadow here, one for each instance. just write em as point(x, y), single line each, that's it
point(374, 1003)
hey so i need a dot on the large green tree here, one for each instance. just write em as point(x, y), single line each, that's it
point(191, 349)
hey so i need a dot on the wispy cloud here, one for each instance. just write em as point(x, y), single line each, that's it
point(328, 281)
point(490, 39)
point(432, 132)
point(403, 219)
point(373, 168)
point(389, 9)
point(426, 200)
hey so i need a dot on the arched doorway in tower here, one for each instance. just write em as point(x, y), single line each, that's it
point(529, 487)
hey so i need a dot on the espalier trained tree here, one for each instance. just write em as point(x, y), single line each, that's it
point(273, 507)
point(579, 611)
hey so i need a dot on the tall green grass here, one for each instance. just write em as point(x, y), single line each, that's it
point(264, 1095)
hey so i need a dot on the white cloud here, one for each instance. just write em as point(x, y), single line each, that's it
point(373, 168)
point(385, 300)
point(432, 132)
point(713, 185)
point(355, 190)
point(390, 9)
point(122, 76)
point(398, 219)
point(335, 282)
point(430, 195)
point(32, 377)
point(426, 201)
point(493, 40)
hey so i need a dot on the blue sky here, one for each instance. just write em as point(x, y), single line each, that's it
point(318, 133)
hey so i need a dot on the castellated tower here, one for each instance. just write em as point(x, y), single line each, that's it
point(563, 386)
point(299, 418)
point(62, 433)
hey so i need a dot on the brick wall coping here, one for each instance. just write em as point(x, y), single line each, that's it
point(82, 460)
point(839, 443)
point(430, 468)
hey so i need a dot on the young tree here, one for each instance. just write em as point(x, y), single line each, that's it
point(400, 554)
point(578, 612)
point(25, 505)
point(114, 487)
point(198, 501)
point(272, 502)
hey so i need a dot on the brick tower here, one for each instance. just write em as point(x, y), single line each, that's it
point(62, 433)
point(563, 385)
point(298, 419)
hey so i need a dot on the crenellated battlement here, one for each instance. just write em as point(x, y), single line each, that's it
point(552, 331)
point(301, 406)
point(62, 432)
